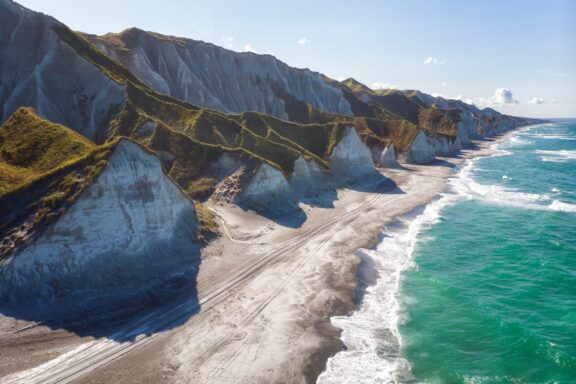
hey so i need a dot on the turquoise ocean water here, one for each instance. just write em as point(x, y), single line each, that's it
point(480, 285)
point(492, 296)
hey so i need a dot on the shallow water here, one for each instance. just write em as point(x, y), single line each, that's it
point(480, 285)
point(492, 298)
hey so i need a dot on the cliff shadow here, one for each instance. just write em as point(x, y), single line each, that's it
point(373, 182)
point(286, 213)
point(444, 163)
point(162, 300)
point(153, 311)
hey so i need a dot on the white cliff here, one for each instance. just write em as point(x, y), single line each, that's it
point(467, 127)
point(385, 157)
point(351, 159)
point(39, 70)
point(307, 178)
point(210, 76)
point(267, 186)
point(421, 151)
point(425, 148)
point(131, 227)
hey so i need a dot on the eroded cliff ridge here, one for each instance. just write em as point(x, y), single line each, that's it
point(151, 127)
point(132, 225)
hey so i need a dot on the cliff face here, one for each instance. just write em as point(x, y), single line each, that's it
point(210, 76)
point(350, 161)
point(308, 179)
point(38, 70)
point(130, 227)
point(267, 186)
point(473, 124)
point(385, 157)
point(132, 224)
point(425, 148)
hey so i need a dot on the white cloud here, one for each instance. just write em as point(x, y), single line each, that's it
point(304, 41)
point(502, 97)
point(536, 100)
point(444, 85)
point(249, 48)
point(434, 60)
point(227, 42)
point(376, 86)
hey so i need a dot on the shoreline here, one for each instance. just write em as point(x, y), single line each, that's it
point(355, 324)
point(268, 291)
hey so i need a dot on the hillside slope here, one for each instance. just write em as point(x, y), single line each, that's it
point(130, 226)
point(39, 70)
point(213, 77)
point(31, 146)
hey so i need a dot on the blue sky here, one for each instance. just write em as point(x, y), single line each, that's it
point(517, 56)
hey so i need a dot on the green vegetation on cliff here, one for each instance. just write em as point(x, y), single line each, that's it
point(44, 167)
point(31, 146)
point(309, 133)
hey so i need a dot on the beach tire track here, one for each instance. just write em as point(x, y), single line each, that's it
point(72, 368)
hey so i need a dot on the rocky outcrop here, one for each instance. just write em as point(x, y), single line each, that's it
point(385, 157)
point(268, 186)
point(351, 159)
point(130, 228)
point(421, 150)
point(308, 179)
point(38, 70)
point(474, 124)
point(210, 76)
point(425, 148)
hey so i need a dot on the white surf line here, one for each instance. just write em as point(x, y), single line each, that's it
point(371, 333)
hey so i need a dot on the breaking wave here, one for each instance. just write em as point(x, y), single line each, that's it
point(517, 141)
point(371, 334)
point(560, 156)
point(468, 188)
point(562, 207)
point(551, 136)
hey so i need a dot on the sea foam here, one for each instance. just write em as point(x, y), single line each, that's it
point(560, 156)
point(371, 335)
point(468, 188)
point(551, 136)
point(373, 341)
point(562, 207)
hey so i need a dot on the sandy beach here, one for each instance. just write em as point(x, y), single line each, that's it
point(267, 290)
